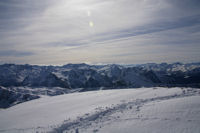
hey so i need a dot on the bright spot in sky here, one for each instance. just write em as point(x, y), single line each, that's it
point(88, 13)
point(99, 31)
point(91, 24)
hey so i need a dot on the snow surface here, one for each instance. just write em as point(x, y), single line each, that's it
point(143, 110)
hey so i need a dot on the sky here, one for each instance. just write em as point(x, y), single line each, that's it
point(52, 32)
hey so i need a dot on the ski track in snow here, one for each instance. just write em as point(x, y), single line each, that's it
point(105, 115)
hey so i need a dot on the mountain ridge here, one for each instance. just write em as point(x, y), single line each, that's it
point(19, 83)
point(87, 76)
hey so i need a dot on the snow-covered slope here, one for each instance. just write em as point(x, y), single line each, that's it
point(10, 96)
point(141, 110)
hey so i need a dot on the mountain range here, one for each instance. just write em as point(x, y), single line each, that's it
point(20, 83)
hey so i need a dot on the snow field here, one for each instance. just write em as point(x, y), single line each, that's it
point(117, 111)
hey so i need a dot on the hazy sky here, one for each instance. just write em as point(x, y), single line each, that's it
point(99, 31)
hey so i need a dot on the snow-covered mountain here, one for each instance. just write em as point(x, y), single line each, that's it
point(10, 96)
point(109, 76)
point(29, 81)
point(176, 74)
point(143, 110)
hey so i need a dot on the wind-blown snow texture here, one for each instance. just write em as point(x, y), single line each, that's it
point(152, 110)
point(25, 82)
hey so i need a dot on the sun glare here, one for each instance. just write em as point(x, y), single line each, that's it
point(91, 24)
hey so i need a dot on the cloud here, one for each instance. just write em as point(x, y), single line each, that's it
point(151, 28)
point(133, 30)
point(14, 53)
